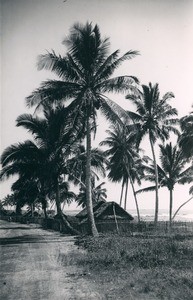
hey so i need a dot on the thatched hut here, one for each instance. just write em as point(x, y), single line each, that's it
point(109, 216)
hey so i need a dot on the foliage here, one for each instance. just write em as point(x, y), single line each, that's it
point(154, 117)
point(186, 138)
point(8, 200)
point(171, 172)
point(98, 194)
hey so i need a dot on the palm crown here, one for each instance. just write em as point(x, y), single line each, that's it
point(84, 74)
point(154, 116)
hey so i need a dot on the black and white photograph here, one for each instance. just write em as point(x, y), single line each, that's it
point(96, 150)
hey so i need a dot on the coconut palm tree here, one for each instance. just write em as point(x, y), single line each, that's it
point(76, 165)
point(43, 159)
point(125, 163)
point(154, 117)
point(184, 203)
point(85, 75)
point(27, 161)
point(171, 172)
point(8, 200)
point(27, 192)
point(65, 196)
point(98, 194)
point(76, 168)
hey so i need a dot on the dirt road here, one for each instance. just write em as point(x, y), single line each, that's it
point(32, 267)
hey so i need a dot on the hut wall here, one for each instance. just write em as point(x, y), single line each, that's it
point(109, 226)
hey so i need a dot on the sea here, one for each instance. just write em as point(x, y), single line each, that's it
point(148, 214)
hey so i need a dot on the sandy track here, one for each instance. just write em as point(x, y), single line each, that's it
point(31, 266)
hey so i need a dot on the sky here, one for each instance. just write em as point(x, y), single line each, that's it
point(161, 30)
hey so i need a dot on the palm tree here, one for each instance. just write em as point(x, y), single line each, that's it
point(171, 172)
point(9, 200)
point(98, 194)
point(85, 75)
point(76, 165)
point(124, 161)
point(76, 168)
point(43, 159)
point(27, 192)
point(184, 203)
point(27, 161)
point(153, 117)
point(65, 196)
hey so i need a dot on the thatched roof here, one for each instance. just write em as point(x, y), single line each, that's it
point(105, 210)
point(83, 213)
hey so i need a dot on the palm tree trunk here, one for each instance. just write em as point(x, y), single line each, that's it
point(89, 205)
point(135, 197)
point(156, 183)
point(121, 197)
point(125, 205)
point(116, 223)
point(57, 199)
point(45, 211)
point(60, 213)
point(171, 206)
point(181, 207)
point(32, 210)
point(18, 209)
point(43, 198)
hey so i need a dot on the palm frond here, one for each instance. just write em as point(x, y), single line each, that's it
point(119, 84)
point(113, 62)
point(147, 189)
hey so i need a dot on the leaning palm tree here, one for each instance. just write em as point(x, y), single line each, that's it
point(125, 163)
point(184, 203)
point(171, 172)
point(154, 117)
point(85, 75)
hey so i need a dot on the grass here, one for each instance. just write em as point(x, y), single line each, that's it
point(141, 267)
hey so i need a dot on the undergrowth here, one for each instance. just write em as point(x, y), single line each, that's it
point(121, 251)
point(141, 268)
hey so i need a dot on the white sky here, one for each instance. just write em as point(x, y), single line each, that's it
point(162, 30)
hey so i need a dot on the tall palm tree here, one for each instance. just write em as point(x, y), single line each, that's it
point(154, 117)
point(85, 75)
point(171, 172)
point(124, 161)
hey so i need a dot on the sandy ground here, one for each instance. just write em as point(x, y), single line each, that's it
point(31, 266)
